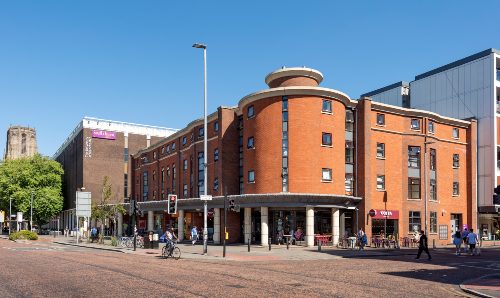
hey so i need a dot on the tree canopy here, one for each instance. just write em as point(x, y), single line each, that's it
point(37, 175)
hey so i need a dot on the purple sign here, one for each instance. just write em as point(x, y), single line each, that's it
point(465, 227)
point(103, 134)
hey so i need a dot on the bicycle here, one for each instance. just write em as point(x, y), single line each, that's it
point(171, 251)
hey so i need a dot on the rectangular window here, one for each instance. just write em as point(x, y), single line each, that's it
point(326, 139)
point(284, 105)
point(349, 154)
point(145, 187)
point(431, 127)
point(168, 149)
point(201, 132)
point(349, 120)
point(414, 157)
point(432, 159)
point(380, 182)
point(125, 154)
point(251, 176)
point(415, 124)
point(216, 154)
point(216, 126)
point(327, 106)
point(434, 221)
point(154, 155)
point(168, 171)
point(414, 222)
point(456, 190)
point(162, 178)
point(173, 146)
point(380, 150)
point(285, 116)
point(185, 164)
point(381, 119)
point(216, 184)
point(250, 143)
point(413, 189)
point(250, 112)
point(185, 190)
point(349, 184)
point(456, 133)
point(327, 174)
point(184, 140)
point(433, 190)
point(456, 160)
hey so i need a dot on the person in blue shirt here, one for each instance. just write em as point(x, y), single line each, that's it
point(194, 235)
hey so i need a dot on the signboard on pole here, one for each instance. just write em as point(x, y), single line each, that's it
point(2, 216)
point(19, 217)
point(83, 204)
point(206, 197)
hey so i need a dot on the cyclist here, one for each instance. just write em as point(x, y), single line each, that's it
point(169, 239)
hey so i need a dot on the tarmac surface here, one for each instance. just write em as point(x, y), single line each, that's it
point(59, 268)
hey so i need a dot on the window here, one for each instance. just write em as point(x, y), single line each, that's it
point(184, 140)
point(285, 116)
point(216, 154)
point(414, 157)
point(456, 160)
point(432, 160)
point(23, 143)
point(185, 190)
point(191, 138)
point(250, 143)
point(415, 124)
point(349, 120)
point(326, 139)
point(413, 189)
point(201, 132)
point(168, 149)
point(433, 223)
point(185, 164)
point(380, 150)
point(251, 176)
point(455, 133)
point(162, 150)
point(433, 190)
point(349, 184)
point(349, 152)
point(201, 173)
point(380, 119)
point(154, 155)
point(284, 104)
point(125, 154)
point(145, 188)
point(173, 146)
point(414, 223)
point(168, 171)
point(250, 112)
point(380, 182)
point(327, 106)
point(216, 183)
point(216, 126)
point(431, 127)
point(456, 190)
point(327, 174)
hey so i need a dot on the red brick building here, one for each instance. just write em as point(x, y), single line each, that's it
point(302, 158)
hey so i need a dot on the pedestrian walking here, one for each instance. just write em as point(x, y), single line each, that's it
point(465, 240)
point(457, 241)
point(362, 239)
point(473, 239)
point(194, 235)
point(422, 246)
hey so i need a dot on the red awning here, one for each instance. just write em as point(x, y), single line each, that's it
point(384, 214)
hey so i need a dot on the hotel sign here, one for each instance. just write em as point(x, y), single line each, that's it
point(383, 214)
point(103, 134)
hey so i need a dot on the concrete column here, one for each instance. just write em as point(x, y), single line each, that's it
point(120, 224)
point(248, 224)
point(151, 221)
point(217, 239)
point(180, 225)
point(264, 229)
point(342, 225)
point(309, 226)
point(335, 225)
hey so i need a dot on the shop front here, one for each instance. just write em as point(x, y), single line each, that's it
point(384, 223)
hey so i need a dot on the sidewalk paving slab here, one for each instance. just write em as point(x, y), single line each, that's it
point(485, 286)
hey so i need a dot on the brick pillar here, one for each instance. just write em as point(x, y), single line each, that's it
point(180, 225)
point(217, 226)
point(310, 226)
point(150, 221)
point(248, 224)
point(264, 229)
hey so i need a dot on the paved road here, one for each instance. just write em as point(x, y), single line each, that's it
point(46, 269)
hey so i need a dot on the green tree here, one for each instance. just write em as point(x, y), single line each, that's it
point(105, 209)
point(38, 176)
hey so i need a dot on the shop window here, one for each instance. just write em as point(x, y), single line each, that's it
point(380, 150)
point(413, 189)
point(414, 221)
point(326, 139)
point(327, 106)
point(326, 174)
point(380, 182)
point(380, 119)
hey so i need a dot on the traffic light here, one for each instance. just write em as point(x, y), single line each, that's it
point(231, 205)
point(496, 195)
point(172, 204)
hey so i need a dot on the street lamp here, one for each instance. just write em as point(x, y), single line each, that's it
point(425, 183)
point(205, 150)
point(10, 213)
point(31, 212)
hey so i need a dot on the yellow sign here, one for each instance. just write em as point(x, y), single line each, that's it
point(227, 236)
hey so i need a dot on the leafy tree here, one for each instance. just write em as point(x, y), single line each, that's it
point(105, 209)
point(38, 176)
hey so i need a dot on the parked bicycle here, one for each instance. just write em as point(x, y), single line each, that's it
point(129, 242)
point(171, 250)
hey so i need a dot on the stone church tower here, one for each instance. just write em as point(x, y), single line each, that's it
point(21, 142)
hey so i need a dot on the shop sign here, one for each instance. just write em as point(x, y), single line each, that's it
point(384, 214)
point(103, 134)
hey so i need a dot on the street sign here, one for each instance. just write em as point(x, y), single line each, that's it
point(206, 197)
point(83, 203)
point(2, 216)
point(19, 217)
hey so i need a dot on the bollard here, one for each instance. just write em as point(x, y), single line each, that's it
point(319, 245)
point(287, 243)
point(248, 244)
point(269, 243)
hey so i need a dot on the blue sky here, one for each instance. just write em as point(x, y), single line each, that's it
point(132, 60)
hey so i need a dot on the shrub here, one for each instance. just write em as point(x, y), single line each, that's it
point(114, 241)
point(24, 234)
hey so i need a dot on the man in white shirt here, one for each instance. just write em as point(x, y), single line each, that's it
point(473, 241)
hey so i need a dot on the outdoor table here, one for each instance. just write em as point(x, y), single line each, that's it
point(287, 238)
point(324, 239)
point(352, 242)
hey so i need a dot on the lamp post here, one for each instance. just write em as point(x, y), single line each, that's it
point(205, 151)
point(10, 213)
point(31, 212)
point(425, 184)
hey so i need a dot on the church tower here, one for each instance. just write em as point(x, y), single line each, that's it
point(21, 142)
